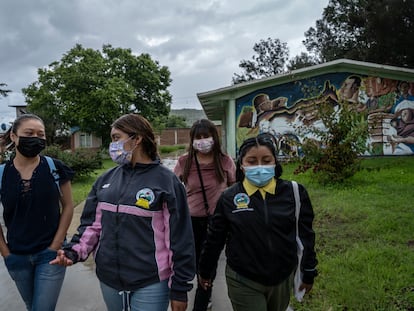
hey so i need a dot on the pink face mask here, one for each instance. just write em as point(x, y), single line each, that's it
point(203, 145)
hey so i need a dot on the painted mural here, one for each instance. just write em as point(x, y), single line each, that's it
point(388, 104)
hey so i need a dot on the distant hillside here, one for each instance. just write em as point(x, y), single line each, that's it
point(190, 115)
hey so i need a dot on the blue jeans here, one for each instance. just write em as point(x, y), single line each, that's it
point(154, 297)
point(37, 281)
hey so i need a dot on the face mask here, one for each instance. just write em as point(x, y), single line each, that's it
point(118, 154)
point(203, 145)
point(259, 175)
point(30, 147)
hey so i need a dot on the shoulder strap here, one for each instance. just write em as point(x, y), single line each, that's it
point(1, 173)
point(297, 202)
point(53, 171)
point(202, 185)
point(52, 168)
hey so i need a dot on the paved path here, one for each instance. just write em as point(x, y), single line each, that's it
point(81, 292)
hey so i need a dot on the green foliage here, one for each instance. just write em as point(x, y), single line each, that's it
point(365, 30)
point(90, 89)
point(82, 161)
point(332, 152)
point(175, 121)
point(170, 149)
point(302, 60)
point(270, 59)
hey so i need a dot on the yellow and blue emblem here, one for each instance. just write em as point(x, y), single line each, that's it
point(144, 198)
point(241, 200)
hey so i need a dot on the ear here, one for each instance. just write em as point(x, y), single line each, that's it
point(138, 140)
point(13, 137)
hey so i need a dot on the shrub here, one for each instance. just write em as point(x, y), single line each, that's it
point(82, 161)
point(333, 151)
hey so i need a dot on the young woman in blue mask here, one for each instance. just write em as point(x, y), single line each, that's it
point(206, 172)
point(136, 222)
point(255, 219)
point(37, 213)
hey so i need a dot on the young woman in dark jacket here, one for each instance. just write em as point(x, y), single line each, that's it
point(255, 219)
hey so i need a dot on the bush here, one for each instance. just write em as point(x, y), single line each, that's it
point(82, 161)
point(333, 152)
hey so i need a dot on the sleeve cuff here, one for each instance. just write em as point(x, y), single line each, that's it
point(309, 276)
point(177, 295)
point(72, 255)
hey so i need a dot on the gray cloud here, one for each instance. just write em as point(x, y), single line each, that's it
point(201, 41)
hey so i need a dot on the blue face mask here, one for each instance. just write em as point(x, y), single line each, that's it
point(259, 175)
point(118, 154)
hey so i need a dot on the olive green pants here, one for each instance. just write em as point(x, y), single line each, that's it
point(246, 295)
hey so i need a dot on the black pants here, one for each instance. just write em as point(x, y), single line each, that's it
point(202, 296)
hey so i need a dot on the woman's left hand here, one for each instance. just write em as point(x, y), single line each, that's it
point(306, 287)
point(178, 305)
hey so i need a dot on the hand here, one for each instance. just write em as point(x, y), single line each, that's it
point(178, 305)
point(204, 283)
point(61, 259)
point(306, 287)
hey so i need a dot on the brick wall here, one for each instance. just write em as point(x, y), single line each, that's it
point(176, 136)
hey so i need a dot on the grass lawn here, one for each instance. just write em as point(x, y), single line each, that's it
point(365, 237)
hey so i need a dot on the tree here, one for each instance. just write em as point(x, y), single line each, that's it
point(174, 121)
point(270, 60)
point(365, 30)
point(301, 61)
point(4, 92)
point(90, 89)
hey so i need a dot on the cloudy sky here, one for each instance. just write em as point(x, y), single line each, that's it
point(201, 41)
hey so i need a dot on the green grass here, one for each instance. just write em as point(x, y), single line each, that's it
point(81, 188)
point(364, 237)
point(365, 233)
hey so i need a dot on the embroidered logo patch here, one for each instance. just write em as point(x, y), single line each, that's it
point(144, 198)
point(241, 200)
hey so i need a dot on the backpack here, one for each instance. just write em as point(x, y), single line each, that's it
point(52, 169)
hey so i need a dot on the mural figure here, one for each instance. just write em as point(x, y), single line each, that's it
point(379, 99)
point(349, 90)
point(403, 123)
point(403, 93)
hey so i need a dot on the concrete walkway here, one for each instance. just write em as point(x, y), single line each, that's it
point(81, 292)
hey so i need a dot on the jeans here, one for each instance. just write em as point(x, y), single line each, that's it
point(37, 281)
point(154, 297)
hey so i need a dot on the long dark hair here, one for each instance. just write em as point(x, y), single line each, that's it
point(136, 125)
point(264, 139)
point(5, 139)
point(204, 127)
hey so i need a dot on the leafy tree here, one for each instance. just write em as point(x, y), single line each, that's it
point(301, 61)
point(174, 121)
point(270, 60)
point(333, 151)
point(365, 30)
point(4, 92)
point(89, 88)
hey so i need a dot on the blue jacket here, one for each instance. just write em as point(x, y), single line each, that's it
point(137, 223)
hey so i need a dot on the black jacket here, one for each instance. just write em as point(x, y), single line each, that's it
point(260, 235)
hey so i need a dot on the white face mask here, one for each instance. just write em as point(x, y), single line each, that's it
point(204, 145)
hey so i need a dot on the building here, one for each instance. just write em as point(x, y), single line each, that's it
point(274, 104)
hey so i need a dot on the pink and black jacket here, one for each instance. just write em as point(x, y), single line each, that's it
point(137, 223)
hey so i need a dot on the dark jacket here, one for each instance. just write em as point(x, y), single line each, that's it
point(136, 220)
point(260, 235)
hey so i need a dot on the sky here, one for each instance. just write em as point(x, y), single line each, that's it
point(201, 41)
